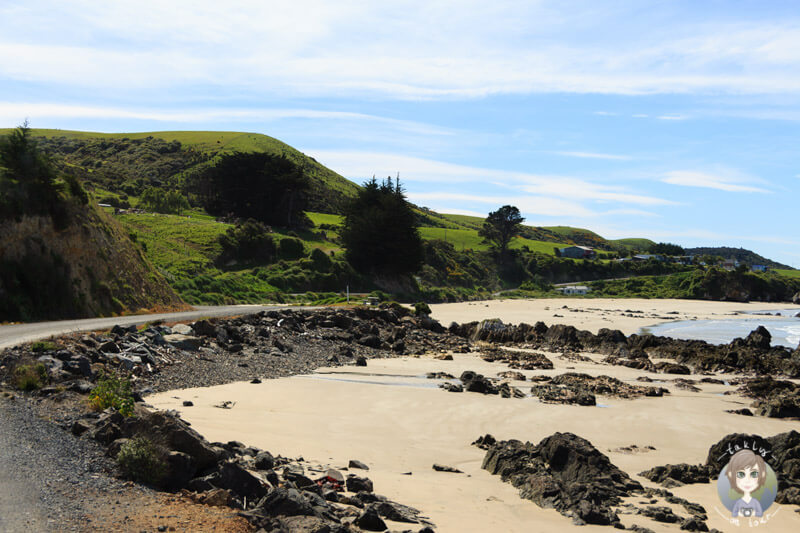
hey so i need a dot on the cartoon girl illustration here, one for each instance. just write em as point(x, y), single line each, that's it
point(747, 472)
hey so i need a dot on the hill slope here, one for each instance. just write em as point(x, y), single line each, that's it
point(742, 255)
point(130, 162)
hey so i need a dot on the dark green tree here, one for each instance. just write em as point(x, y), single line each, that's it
point(667, 248)
point(500, 227)
point(265, 187)
point(380, 231)
point(248, 242)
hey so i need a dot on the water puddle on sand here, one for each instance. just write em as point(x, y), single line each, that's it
point(395, 380)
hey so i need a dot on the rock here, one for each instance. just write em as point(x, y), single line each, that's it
point(188, 403)
point(372, 341)
point(180, 469)
point(439, 375)
point(353, 463)
point(485, 442)
point(182, 329)
point(81, 386)
point(79, 427)
point(184, 342)
point(563, 471)
point(361, 361)
point(451, 387)
point(693, 524)
point(358, 484)
point(255, 381)
point(369, 520)
point(445, 468)
point(549, 393)
point(284, 502)
point(661, 514)
point(512, 375)
point(759, 338)
point(397, 513)
point(743, 411)
point(239, 480)
point(109, 347)
point(204, 328)
point(443, 357)
point(216, 498)
point(685, 473)
point(264, 461)
point(474, 382)
point(796, 299)
point(666, 367)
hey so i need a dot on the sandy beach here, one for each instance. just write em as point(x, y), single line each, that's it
point(627, 315)
point(391, 417)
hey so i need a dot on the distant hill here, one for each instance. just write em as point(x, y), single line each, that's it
point(128, 163)
point(740, 254)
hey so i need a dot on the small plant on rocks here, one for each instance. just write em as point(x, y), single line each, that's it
point(114, 392)
point(44, 346)
point(142, 461)
point(30, 377)
point(422, 309)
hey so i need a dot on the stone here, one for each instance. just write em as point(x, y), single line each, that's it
point(241, 481)
point(445, 468)
point(180, 469)
point(370, 520)
point(354, 463)
point(284, 502)
point(109, 347)
point(358, 484)
point(264, 461)
point(184, 342)
point(79, 427)
point(361, 361)
point(183, 329)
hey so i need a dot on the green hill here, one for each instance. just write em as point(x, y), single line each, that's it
point(127, 163)
point(742, 255)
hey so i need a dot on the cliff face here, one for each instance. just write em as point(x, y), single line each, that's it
point(88, 268)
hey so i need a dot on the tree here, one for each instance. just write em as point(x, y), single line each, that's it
point(500, 226)
point(160, 201)
point(265, 187)
point(667, 248)
point(380, 231)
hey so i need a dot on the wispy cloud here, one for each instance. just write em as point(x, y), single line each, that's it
point(672, 117)
point(352, 47)
point(360, 165)
point(723, 182)
point(595, 155)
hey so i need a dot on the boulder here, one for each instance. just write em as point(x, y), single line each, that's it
point(354, 463)
point(284, 502)
point(358, 484)
point(370, 520)
point(184, 342)
point(182, 329)
point(241, 481)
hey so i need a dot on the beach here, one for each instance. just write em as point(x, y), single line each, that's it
point(399, 423)
point(627, 315)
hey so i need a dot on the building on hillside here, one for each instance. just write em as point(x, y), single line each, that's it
point(647, 257)
point(573, 289)
point(730, 264)
point(578, 252)
point(759, 268)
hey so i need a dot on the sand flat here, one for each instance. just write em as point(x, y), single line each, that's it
point(394, 420)
point(595, 313)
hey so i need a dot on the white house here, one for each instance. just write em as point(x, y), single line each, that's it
point(573, 289)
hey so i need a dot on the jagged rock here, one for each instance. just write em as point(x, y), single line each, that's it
point(358, 484)
point(474, 382)
point(361, 361)
point(180, 469)
point(357, 464)
point(264, 461)
point(661, 514)
point(451, 387)
point(549, 393)
point(693, 524)
point(370, 520)
point(684, 473)
point(563, 471)
point(665, 367)
point(204, 328)
point(773, 398)
point(439, 375)
point(182, 329)
point(397, 513)
point(512, 375)
point(184, 342)
point(284, 502)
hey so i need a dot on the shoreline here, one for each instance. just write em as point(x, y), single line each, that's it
point(628, 315)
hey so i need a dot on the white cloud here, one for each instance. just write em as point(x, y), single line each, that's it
point(595, 155)
point(361, 165)
point(401, 49)
point(671, 117)
point(729, 182)
point(640, 115)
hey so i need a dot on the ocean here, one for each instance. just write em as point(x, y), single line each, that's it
point(785, 330)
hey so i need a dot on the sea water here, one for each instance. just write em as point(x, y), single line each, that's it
point(783, 326)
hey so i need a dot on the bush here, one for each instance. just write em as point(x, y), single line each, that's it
point(44, 346)
point(320, 261)
point(112, 392)
point(142, 461)
point(248, 242)
point(290, 248)
point(422, 309)
point(30, 377)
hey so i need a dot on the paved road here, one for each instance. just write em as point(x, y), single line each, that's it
point(19, 333)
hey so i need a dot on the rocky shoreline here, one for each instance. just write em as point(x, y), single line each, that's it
point(282, 494)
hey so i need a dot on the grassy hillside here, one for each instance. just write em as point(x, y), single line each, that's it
point(634, 244)
point(742, 255)
point(131, 161)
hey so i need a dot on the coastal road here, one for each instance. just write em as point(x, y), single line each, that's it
point(14, 334)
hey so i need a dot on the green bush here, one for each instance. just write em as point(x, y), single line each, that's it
point(30, 377)
point(320, 261)
point(422, 309)
point(290, 248)
point(114, 392)
point(44, 346)
point(142, 461)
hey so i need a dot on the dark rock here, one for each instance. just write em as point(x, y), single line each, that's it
point(372, 341)
point(685, 473)
point(109, 347)
point(445, 468)
point(255, 381)
point(358, 484)
point(180, 469)
point(80, 386)
point(397, 513)
point(79, 427)
point(204, 328)
point(485, 442)
point(184, 342)
point(361, 361)
point(563, 471)
point(661, 514)
point(238, 480)
point(188, 403)
point(284, 502)
point(693, 524)
point(666, 367)
point(264, 461)
point(357, 464)
point(451, 387)
point(369, 520)
point(474, 382)
point(549, 393)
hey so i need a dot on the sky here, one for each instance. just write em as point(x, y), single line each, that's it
point(677, 121)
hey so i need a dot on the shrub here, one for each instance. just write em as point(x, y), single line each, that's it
point(142, 461)
point(320, 261)
point(422, 309)
point(290, 248)
point(247, 242)
point(114, 392)
point(44, 346)
point(30, 377)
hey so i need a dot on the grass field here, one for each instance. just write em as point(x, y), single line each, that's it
point(465, 239)
point(634, 244)
point(788, 273)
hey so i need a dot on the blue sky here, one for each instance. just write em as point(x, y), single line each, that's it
point(672, 120)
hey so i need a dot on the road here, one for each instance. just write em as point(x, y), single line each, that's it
point(19, 333)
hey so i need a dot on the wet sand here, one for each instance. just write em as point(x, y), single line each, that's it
point(388, 416)
point(627, 315)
